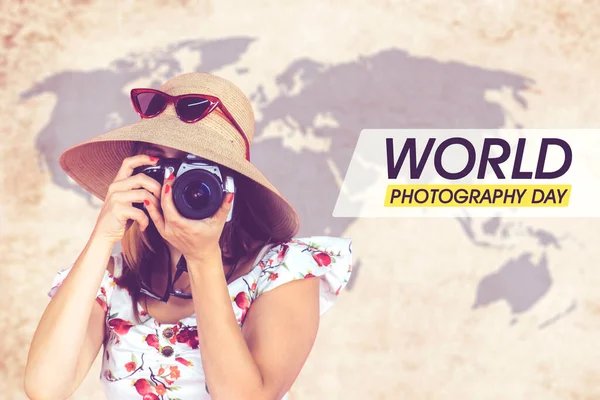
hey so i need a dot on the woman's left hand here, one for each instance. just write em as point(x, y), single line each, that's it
point(196, 239)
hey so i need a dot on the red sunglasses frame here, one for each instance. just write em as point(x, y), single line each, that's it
point(215, 102)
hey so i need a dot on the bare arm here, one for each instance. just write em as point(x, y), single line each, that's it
point(262, 360)
point(71, 330)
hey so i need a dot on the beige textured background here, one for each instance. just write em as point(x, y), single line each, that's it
point(438, 309)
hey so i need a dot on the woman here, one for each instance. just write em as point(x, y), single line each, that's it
point(187, 310)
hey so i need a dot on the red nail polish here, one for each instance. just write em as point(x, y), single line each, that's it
point(167, 188)
point(231, 198)
point(147, 202)
point(171, 176)
point(153, 158)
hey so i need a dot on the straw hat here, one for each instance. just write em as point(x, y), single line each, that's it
point(94, 163)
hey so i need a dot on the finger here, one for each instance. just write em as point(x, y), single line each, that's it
point(135, 214)
point(139, 181)
point(131, 196)
point(130, 163)
point(152, 206)
point(166, 199)
point(223, 211)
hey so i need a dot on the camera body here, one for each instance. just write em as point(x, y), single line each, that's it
point(199, 187)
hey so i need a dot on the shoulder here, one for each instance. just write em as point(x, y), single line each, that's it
point(107, 285)
point(315, 252)
point(324, 257)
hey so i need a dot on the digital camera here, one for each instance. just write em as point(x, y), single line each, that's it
point(199, 188)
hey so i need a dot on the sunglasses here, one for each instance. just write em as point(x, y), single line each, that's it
point(181, 268)
point(190, 108)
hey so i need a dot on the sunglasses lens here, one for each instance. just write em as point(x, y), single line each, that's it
point(150, 104)
point(192, 108)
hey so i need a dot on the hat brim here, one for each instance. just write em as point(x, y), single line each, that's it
point(93, 164)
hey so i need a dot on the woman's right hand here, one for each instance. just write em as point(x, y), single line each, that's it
point(118, 206)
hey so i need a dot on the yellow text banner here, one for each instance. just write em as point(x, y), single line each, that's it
point(457, 195)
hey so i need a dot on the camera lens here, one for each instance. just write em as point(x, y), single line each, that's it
point(196, 195)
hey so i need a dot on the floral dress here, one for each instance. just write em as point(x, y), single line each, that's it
point(151, 361)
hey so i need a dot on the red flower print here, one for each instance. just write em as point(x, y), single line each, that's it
point(152, 340)
point(174, 372)
point(242, 317)
point(103, 291)
point(160, 389)
point(282, 253)
point(184, 361)
point(274, 276)
point(189, 336)
point(183, 336)
point(120, 326)
point(169, 382)
point(161, 371)
point(322, 259)
point(143, 313)
point(253, 287)
point(130, 366)
point(143, 387)
point(102, 303)
point(242, 300)
point(194, 342)
point(309, 275)
point(150, 396)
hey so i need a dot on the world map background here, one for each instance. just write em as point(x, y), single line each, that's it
point(471, 303)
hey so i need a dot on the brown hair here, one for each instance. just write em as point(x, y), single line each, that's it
point(244, 235)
